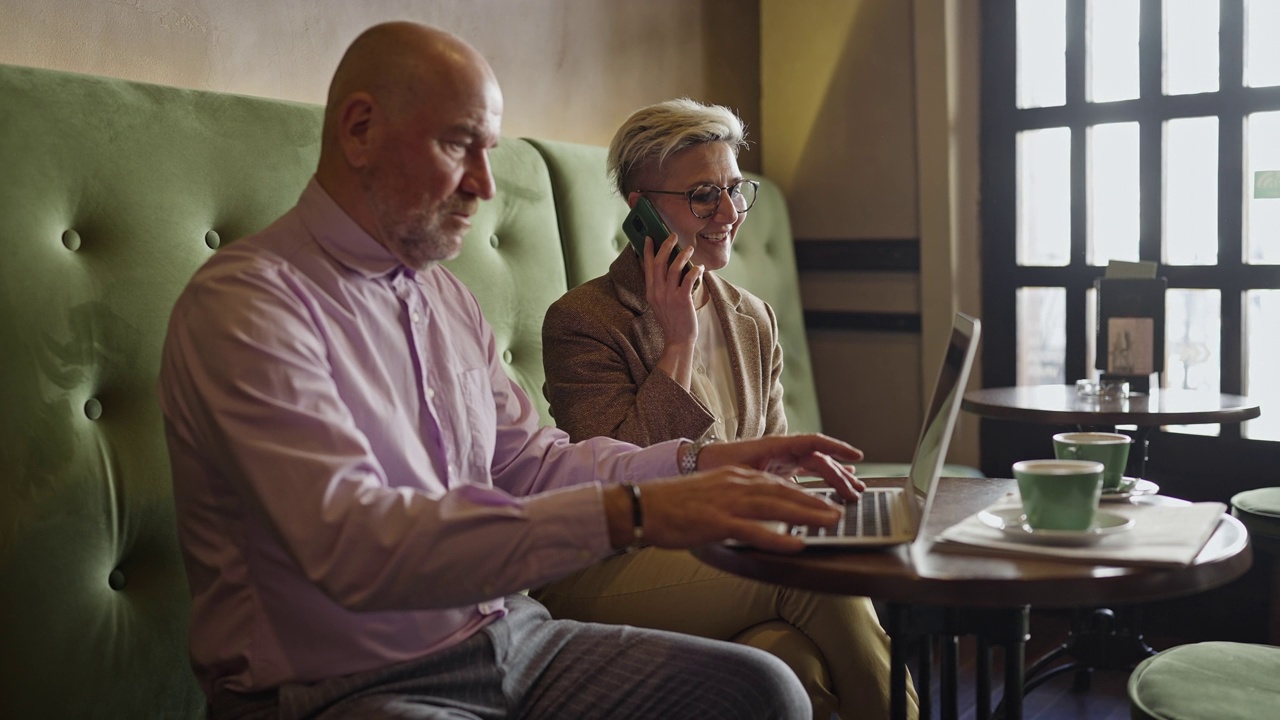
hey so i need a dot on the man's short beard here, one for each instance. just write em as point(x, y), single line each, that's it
point(414, 235)
point(417, 239)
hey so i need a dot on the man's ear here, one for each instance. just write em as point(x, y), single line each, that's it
point(633, 197)
point(357, 131)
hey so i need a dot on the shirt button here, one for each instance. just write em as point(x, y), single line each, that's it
point(415, 317)
point(431, 394)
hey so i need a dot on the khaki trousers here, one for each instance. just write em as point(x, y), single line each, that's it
point(834, 643)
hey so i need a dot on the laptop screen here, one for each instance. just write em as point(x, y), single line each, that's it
point(935, 434)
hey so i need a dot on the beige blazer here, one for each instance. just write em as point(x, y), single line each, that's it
point(600, 343)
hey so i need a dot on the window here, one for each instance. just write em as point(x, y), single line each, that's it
point(1134, 130)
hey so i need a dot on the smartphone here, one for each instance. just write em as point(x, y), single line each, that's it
point(643, 221)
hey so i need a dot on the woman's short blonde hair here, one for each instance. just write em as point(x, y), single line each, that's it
point(654, 133)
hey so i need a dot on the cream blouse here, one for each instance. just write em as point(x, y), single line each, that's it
point(713, 375)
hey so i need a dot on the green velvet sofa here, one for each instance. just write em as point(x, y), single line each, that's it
point(113, 194)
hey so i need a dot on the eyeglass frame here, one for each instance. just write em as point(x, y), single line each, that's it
point(688, 195)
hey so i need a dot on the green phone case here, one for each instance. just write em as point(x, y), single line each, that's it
point(643, 221)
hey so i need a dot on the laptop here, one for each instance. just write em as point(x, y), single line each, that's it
point(886, 517)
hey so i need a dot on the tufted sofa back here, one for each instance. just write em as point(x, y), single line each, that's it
point(113, 193)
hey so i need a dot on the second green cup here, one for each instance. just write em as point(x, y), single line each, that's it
point(1110, 449)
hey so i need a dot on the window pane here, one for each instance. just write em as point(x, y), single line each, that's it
point(1191, 191)
point(1190, 46)
point(1262, 213)
point(1262, 343)
point(1044, 197)
point(1113, 193)
point(1042, 336)
point(1042, 53)
point(1112, 53)
point(1262, 51)
point(1193, 345)
point(1193, 334)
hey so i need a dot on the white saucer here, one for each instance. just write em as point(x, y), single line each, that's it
point(1130, 488)
point(1012, 523)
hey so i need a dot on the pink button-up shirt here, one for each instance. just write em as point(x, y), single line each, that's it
point(357, 480)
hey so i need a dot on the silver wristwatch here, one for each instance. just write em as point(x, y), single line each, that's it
point(689, 453)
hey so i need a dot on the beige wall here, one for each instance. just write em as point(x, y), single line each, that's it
point(838, 109)
point(570, 69)
point(869, 109)
point(948, 94)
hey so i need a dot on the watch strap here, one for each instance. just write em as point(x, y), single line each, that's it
point(689, 453)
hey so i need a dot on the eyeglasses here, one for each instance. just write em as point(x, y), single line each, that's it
point(704, 200)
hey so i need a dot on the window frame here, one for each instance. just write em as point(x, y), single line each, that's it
point(1001, 122)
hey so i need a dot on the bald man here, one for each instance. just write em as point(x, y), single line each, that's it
point(362, 491)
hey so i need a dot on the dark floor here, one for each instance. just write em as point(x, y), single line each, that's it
point(1056, 699)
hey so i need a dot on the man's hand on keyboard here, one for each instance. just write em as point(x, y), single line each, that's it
point(787, 455)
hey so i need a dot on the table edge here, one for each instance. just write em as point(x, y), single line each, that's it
point(1125, 586)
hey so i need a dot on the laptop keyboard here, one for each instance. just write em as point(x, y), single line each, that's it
point(869, 517)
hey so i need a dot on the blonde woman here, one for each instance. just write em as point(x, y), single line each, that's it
point(644, 355)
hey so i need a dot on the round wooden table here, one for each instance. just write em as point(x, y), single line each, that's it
point(1060, 405)
point(913, 575)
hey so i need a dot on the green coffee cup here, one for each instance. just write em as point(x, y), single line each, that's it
point(1110, 449)
point(1059, 494)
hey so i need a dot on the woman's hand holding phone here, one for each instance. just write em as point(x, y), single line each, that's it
point(671, 301)
point(669, 287)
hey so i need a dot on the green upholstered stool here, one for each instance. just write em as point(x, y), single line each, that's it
point(1259, 510)
point(1207, 681)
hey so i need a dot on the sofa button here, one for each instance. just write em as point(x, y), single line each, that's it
point(493, 240)
point(93, 409)
point(71, 239)
point(506, 356)
point(116, 580)
point(212, 240)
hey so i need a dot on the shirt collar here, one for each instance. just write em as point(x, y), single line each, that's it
point(341, 237)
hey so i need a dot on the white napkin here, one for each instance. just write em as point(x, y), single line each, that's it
point(1161, 536)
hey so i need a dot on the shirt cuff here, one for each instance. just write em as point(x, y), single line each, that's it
point(655, 462)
